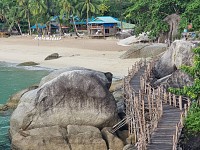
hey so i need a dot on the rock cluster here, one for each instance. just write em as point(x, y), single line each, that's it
point(179, 53)
point(71, 109)
point(166, 70)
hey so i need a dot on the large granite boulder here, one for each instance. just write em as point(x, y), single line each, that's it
point(144, 50)
point(76, 97)
point(106, 78)
point(179, 53)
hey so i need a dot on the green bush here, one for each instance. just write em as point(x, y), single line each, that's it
point(192, 122)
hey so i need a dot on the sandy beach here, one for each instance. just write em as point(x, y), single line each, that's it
point(97, 54)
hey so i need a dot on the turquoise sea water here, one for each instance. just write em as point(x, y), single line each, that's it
point(13, 79)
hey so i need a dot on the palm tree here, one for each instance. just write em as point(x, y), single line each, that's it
point(25, 11)
point(38, 9)
point(69, 10)
point(90, 6)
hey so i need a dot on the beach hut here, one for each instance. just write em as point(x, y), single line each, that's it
point(103, 26)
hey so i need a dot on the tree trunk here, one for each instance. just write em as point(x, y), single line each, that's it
point(60, 29)
point(75, 28)
point(87, 20)
point(19, 27)
point(29, 25)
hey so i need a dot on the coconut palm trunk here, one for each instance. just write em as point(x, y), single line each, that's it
point(29, 25)
point(75, 28)
point(19, 27)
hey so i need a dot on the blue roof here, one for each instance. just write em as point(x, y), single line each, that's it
point(39, 26)
point(104, 19)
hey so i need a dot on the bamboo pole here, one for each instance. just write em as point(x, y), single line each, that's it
point(180, 102)
point(170, 99)
point(185, 108)
point(165, 97)
point(174, 100)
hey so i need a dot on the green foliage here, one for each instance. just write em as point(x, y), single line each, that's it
point(148, 15)
point(192, 122)
point(194, 71)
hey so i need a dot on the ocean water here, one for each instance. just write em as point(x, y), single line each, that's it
point(13, 79)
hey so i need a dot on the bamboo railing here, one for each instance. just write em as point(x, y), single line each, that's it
point(144, 108)
point(140, 124)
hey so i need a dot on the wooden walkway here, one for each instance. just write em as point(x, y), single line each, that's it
point(154, 116)
point(162, 137)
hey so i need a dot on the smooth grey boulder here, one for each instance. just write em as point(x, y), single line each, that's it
point(179, 53)
point(144, 50)
point(77, 97)
point(106, 78)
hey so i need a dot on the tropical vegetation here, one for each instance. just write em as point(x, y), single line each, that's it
point(147, 15)
point(192, 122)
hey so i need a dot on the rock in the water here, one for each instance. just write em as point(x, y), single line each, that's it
point(78, 97)
point(179, 53)
point(46, 138)
point(112, 140)
point(52, 56)
point(28, 63)
point(85, 138)
point(144, 50)
point(14, 99)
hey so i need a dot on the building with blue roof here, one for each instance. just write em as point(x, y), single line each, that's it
point(103, 26)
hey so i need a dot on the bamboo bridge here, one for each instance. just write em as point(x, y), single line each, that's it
point(153, 115)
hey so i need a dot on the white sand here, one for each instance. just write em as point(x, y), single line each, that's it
point(101, 55)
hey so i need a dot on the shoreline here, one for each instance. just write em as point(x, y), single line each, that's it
point(96, 54)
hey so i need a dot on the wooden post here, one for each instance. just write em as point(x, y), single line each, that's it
point(170, 99)
point(143, 115)
point(150, 108)
point(165, 97)
point(161, 107)
point(148, 134)
point(189, 103)
point(174, 100)
point(173, 142)
point(185, 108)
point(181, 119)
point(180, 102)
